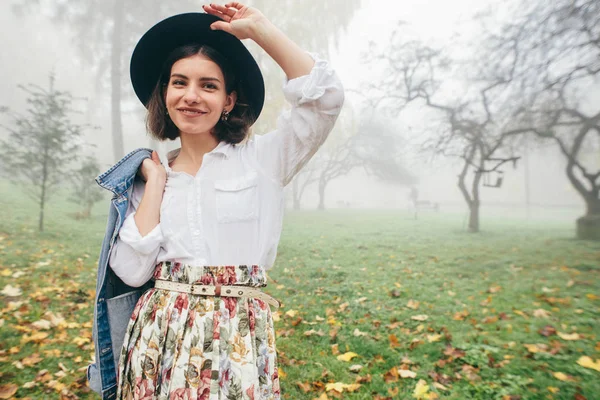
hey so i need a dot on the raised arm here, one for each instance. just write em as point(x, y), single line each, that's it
point(248, 23)
point(313, 90)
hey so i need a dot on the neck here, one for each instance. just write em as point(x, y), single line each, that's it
point(193, 147)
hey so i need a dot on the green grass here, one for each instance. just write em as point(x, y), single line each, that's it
point(342, 271)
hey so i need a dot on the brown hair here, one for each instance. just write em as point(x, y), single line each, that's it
point(160, 125)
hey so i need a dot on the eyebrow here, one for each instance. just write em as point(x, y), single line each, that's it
point(204, 78)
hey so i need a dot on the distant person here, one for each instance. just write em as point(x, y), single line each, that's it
point(200, 231)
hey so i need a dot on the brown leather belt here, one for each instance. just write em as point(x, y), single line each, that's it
point(217, 290)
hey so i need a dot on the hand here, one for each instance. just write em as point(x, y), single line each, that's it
point(152, 170)
point(237, 19)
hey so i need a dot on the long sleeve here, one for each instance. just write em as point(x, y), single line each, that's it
point(316, 101)
point(133, 257)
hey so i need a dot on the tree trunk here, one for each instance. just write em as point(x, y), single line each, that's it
point(472, 198)
point(43, 193)
point(474, 217)
point(588, 226)
point(115, 74)
point(322, 185)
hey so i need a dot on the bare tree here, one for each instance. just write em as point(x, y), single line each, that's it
point(472, 127)
point(551, 53)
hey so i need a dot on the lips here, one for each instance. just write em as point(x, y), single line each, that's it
point(193, 112)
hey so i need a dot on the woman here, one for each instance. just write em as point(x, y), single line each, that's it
point(206, 224)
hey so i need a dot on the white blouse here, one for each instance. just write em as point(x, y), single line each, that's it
point(231, 212)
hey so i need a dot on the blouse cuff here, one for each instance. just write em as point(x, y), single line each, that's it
point(312, 86)
point(130, 235)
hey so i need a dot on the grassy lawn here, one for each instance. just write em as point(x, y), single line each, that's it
point(415, 306)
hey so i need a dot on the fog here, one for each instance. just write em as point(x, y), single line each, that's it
point(33, 46)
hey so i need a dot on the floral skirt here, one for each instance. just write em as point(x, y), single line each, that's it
point(184, 346)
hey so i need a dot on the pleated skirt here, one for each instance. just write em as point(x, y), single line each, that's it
point(181, 346)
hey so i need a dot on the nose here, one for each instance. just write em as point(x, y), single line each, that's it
point(191, 94)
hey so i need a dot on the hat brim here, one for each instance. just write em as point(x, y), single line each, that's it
point(159, 41)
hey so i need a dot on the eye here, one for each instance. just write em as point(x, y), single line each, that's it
point(178, 82)
point(210, 86)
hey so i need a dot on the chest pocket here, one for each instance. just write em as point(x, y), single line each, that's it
point(237, 199)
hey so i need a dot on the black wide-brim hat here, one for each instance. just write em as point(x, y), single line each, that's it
point(155, 45)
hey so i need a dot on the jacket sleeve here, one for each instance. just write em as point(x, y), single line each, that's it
point(133, 257)
point(316, 101)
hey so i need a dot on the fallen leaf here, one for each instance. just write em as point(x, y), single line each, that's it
point(413, 304)
point(358, 333)
point(563, 377)
point(313, 332)
point(347, 356)
point(421, 390)
point(394, 342)
point(7, 391)
point(494, 289)
point(406, 373)
point(548, 330)
point(36, 337)
point(541, 313)
point(42, 324)
point(587, 362)
point(11, 291)
point(569, 336)
point(335, 349)
point(355, 368)
point(434, 338)
point(460, 315)
point(421, 317)
point(304, 386)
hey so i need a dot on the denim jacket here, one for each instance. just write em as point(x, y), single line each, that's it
point(115, 300)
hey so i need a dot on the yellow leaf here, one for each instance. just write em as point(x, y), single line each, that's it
point(587, 362)
point(323, 396)
point(533, 348)
point(352, 387)
point(276, 316)
point(36, 337)
point(563, 377)
point(335, 349)
point(80, 341)
point(421, 317)
point(6, 272)
point(337, 386)
point(421, 390)
point(521, 313)
point(434, 338)
point(569, 336)
point(291, 313)
point(281, 373)
point(553, 389)
point(592, 296)
point(347, 356)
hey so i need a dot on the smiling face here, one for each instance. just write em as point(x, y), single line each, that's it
point(196, 97)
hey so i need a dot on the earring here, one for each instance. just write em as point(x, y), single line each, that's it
point(167, 111)
point(224, 115)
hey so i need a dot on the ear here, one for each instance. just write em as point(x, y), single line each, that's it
point(230, 102)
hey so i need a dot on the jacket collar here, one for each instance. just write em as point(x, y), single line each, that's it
point(120, 176)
